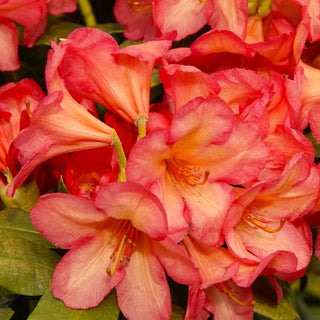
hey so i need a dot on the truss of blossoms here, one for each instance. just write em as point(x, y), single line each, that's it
point(159, 159)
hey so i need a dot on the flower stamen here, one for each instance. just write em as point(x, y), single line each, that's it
point(28, 108)
point(257, 221)
point(190, 175)
point(126, 237)
point(230, 292)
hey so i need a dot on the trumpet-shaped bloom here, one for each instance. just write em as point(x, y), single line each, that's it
point(55, 129)
point(187, 165)
point(117, 240)
point(266, 219)
point(118, 79)
point(60, 125)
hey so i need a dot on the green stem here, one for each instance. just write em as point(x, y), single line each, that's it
point(141, 123)
point(122, 160)
point(87, 12)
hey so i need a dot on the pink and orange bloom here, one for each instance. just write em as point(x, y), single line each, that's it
point(211, 184)
point(117, 240)
point(32, 15)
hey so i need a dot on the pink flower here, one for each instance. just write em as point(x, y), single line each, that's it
point(226, 301)
point(119, 79)
point(55, 129)
point(117, 240)
point(265, 221)
point(32, 16)
point(29, 14)
point(188, 163)
point(17, 101)
point(147, 19)
point(216, 293)
point(60, 125)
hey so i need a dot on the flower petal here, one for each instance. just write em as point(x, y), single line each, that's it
point(144, 292)
point(67, 220)
point(133, 202)
point(80, 278)
point(9, 47)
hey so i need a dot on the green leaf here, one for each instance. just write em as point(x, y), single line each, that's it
point(177, 313)
point(155, 80)
point(50, 308)
point(56, 30)
point(313, 286)
point(111, 27)
point(266, 306)
point(18, 223)
point(6, 313)
point(25, 197)
point(26, 267)
point(314, 310)
point(315, 143)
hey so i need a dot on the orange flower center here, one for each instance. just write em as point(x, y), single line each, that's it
point(257, 221)
point(126, 238)
point(139, 5)
point(231, 293)
point(190, 175)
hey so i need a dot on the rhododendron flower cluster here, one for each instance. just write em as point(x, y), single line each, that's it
point(162, 165)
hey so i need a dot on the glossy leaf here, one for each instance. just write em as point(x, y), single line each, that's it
point(26, 267)
point(265, 303)
point(315, 143)
point(313, 286)
point(177, 313)
point(17, 222)
point(112, 27)
point(56, 30)
point(25, 197)
point(50, 308)
point(6, 313)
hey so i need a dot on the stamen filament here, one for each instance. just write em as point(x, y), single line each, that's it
point(255, 220)
point(28, 107)
point(126, 236)
point(228, 291)
point(111, 271)
point(192, 176)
